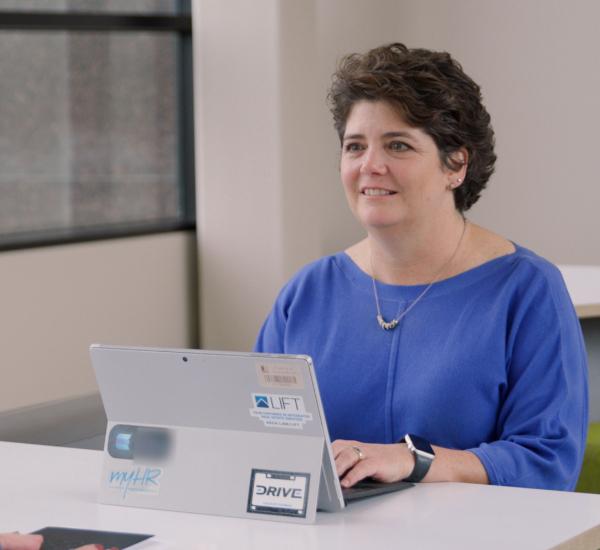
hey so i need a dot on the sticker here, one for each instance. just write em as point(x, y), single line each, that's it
point(120, 441)
point(146, 444)
point(280, 375)
point(138, 479)
point(280, 411)
point(278, 493)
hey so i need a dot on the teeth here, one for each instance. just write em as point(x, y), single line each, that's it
point(376, 192)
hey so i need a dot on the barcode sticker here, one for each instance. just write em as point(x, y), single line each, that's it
point(279, 375)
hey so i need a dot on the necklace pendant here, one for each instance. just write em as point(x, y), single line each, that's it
point(387, 325)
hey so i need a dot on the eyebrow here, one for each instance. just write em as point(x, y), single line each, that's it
point(386, 135)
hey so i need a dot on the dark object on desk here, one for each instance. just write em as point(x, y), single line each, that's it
point(370, 488)
point(64, 538)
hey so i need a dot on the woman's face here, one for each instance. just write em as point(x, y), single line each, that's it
point(392, 172)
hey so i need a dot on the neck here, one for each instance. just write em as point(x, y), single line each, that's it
point(417, 253)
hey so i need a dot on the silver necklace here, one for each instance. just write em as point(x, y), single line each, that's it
point(391, 325)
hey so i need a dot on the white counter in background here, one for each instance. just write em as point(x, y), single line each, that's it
point(583, 282)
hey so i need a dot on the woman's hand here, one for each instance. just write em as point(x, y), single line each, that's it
point(17, 541)
point(355, 460)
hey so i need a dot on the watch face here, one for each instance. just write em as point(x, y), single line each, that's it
point(421, 444)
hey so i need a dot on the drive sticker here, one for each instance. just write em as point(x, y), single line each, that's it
point(280, 411)
point(278, 493)
point(280, 375)
point(137, 479)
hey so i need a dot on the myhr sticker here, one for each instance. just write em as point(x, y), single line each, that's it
point(137, 479)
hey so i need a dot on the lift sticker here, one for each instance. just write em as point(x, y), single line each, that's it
point(280, 411)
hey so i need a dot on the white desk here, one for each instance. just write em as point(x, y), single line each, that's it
point(42, 486)
point(583, 283)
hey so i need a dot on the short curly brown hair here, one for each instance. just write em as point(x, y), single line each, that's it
point(433, 93)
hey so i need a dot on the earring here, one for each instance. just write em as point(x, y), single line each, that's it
point(452, 186)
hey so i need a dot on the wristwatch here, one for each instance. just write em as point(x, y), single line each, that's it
point(423, 453)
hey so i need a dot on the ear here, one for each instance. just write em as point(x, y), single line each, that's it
point(460, 159)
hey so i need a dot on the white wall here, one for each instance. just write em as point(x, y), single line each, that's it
point(56, 301)
point(269, 198)
point(237, 157)
point(537, 62)
point(269, 195)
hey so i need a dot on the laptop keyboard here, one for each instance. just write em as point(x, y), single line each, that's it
point(369, 488)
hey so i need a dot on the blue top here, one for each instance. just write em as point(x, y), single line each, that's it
point(491, 360)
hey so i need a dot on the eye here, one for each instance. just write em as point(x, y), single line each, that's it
point(353, 147)
point(398, 146)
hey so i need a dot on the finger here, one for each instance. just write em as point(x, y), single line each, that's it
point(345, 460)
point(362, 469)
point(339, 445)
point(16, 541)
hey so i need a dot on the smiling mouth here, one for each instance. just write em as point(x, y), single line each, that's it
point(370, 192)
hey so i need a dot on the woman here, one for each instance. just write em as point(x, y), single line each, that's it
point(432, 326)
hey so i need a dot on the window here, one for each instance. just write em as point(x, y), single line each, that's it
point(96, 123)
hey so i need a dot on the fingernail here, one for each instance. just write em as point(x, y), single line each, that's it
point(98, 546)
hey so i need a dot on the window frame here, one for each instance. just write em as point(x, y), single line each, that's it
point(181, 24)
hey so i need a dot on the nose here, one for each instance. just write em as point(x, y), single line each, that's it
point(373, 162)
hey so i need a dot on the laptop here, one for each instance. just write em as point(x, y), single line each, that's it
point(235, 434)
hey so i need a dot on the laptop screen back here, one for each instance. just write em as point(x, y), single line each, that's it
point(203, 423)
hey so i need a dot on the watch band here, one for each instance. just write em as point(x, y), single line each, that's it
point(422, 462)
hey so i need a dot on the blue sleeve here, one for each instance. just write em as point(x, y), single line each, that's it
point(272, 334)
point(542, 421)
